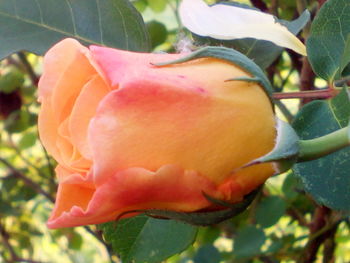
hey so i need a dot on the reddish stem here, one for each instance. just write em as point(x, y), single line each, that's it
point(311, 94)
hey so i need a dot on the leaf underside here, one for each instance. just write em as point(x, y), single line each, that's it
point(35, 25)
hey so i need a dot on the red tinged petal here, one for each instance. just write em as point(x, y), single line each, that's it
point(129, 135)
point(118, 65)
point(148, 123)
point(135, 188)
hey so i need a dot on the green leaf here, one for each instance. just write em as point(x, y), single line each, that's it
point(140, 5)
point(328, 45)
point(270, 210)
point(145, 239)
point(75, 241)
point(290, 186)
point(158, 33)
point(248, 242)
point(326, 179)
point(207, 254)
point(17, 121)
point(11, 81)
point(28, 140)
point(264, 53)
point(157, 5)
point(35, 25)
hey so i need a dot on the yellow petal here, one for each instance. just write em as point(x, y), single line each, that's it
point(230, 22)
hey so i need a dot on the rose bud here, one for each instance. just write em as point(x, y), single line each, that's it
point(129, 135)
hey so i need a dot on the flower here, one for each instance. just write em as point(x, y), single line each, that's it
point(130, 135)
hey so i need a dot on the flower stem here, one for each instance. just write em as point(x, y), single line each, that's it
point(319, 147)
point(312, 94)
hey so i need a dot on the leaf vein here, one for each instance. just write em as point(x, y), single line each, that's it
point(21, 19)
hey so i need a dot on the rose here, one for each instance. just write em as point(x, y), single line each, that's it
point(130, 135)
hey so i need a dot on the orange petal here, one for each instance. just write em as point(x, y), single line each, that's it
point(151, 122)
point(135, 188)
point(142, 124)
point(241, 183)
point(84, 109)
point(68, 87)
point(56, 62)
point(48, 128)
point(58, 87)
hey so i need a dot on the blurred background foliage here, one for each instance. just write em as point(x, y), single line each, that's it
point(282, 225)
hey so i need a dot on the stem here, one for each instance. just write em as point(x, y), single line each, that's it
point(321, 146)
point(28, 67)
point(316, 238)
point(285, 111)
point(5, 239)
point(310, 94)
point(35, 186)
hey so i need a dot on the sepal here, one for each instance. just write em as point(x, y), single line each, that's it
point(286, 150)
point(231, 56)
point(205, 218)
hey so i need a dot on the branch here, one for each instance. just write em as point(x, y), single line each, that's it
point(329, 248)
point(26, 180)
point(5, 237)
point(320, 230)
point(321, 2)
point(28, 68)
point(295, 214)
point(307, 79)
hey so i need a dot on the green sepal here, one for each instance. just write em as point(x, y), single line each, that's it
point(286, 150)
point(231, 56)
point(246, 79)
point(205, 218)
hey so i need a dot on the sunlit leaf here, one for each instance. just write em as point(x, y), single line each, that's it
point(144, 239)
point(328, 45)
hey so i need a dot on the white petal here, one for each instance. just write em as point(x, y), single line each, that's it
point(230, 22)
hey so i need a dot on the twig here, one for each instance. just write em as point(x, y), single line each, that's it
point(5, 237)
point(321, 2)
point(25, 160)
point(285, 111)
point(295, 214)
point(28, 68)
point(329, 248)
point(307, 79)
point(274, 7)
point(98, 235)
point(266, 259)
point(26, 180)
point(320, 230)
